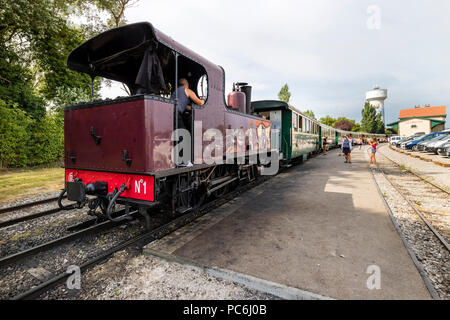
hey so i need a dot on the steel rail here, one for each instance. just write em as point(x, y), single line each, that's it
point(146, 238)
point(27, 205)
point(416, 174)
point(434, 294)
point(427, 223)
point(57, 242)
point(28, 217)
point(140, 240)
point(143, 239)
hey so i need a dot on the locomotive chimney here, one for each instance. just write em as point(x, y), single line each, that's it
point(245, 88)
point(248, 98)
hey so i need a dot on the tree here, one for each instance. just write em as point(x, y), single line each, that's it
point(344, 125)
point(17, 84)
point(68, 96)
point(14, 124)
point(310, 113)
point(369, 119)
point(329, 121)
point(284, 94)
point(115, 9)
point(35, 39)
point(379, 123)
point(356, 127)
point(391, 131)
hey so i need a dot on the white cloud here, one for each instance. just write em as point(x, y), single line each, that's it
point(321, 48)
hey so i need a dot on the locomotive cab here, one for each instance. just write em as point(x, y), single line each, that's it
point(121, 150)
point(135, 56)
point(124, 142)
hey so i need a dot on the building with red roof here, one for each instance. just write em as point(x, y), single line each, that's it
point(427, 120)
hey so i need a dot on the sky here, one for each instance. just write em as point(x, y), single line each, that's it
point(329, 52)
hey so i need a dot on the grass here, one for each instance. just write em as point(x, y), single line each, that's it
point(23, 183)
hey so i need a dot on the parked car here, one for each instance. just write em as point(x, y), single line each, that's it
point(436, 145)
point(427, 145)
point(421, 145)
point(418, 145)
point(414, 142)
point(402, 140)
point(394, 139)
point(444, 149)
point(410, 139)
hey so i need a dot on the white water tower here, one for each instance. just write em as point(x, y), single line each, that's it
point(376, 98)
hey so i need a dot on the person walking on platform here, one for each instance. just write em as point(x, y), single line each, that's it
point(346, 149)
point(324, 145)
point(350, 138)
point(374, 144)
point(362, 142)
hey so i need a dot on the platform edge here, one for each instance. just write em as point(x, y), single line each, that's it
point(275, 289)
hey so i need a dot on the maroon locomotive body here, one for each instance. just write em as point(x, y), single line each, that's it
point(121, 150)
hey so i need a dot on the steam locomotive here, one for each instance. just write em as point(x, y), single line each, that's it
point(124, 151)
point(121, 150)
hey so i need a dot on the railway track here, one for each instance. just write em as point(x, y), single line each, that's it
point(424, 230)
point(28, 217)
point(95, 228)
point(158, 232)
point(140, 240)
point(417, 175)
point(27, 205)
point(437, 220)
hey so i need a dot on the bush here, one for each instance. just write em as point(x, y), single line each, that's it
point(29, 142)
point(46, 143)
point(14, 126)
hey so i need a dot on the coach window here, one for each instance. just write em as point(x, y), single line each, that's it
point(295, 121)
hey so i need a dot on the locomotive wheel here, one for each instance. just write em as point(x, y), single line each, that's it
point(220, 172)
point(184, 197)
point(199, 197)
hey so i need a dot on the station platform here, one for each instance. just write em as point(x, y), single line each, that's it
point(316, 227)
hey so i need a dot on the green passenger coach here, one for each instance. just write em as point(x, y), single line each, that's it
point(299, 135)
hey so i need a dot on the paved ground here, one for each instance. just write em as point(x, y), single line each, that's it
point(433, 172)
point(316, 227)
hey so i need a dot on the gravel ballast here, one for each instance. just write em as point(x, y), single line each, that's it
point(430, 252)
point(129, 276)
point(429, 170)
